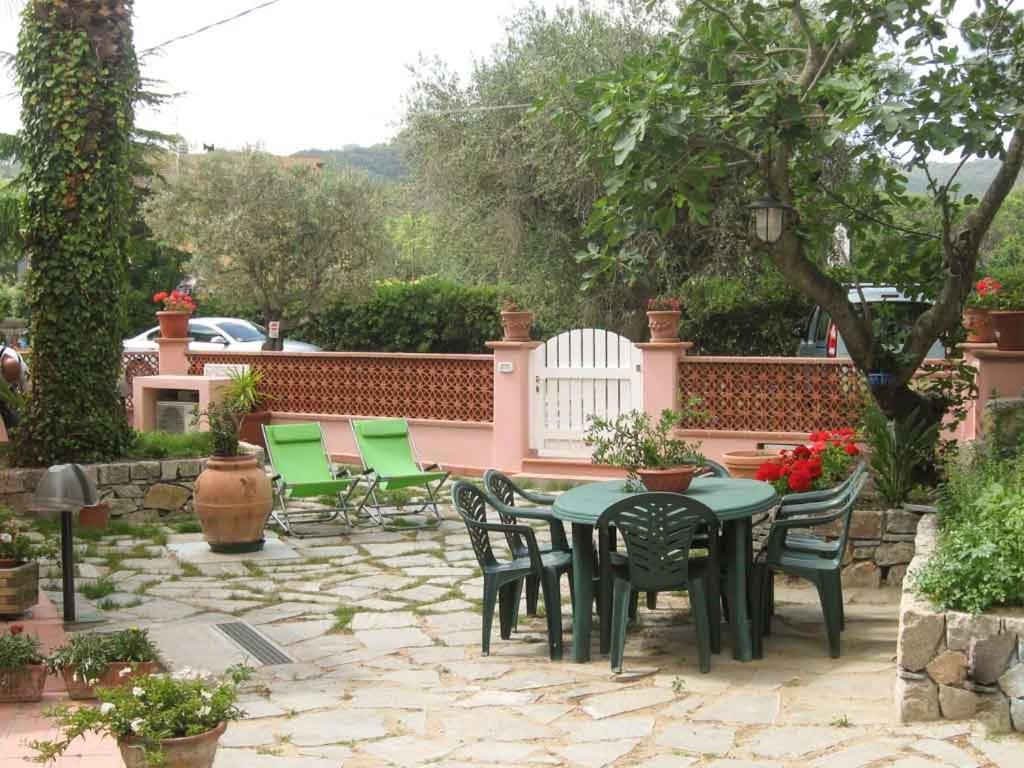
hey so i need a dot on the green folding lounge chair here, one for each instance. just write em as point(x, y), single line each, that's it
point(390, 463)
point(302, 470)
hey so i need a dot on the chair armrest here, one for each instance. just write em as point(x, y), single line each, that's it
point(544, 499)
point(431, 467)
point(523, 530)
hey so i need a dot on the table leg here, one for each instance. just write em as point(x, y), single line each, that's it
point(583, 589)
point(605, 597)
point(736, 535)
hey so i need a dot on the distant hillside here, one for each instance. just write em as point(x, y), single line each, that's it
point(973, 178)
point(383, 161)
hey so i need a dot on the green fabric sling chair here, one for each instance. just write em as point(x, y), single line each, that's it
point(302, 470)
point(390, 463)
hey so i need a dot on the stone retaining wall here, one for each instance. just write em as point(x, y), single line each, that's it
point(137, 490)
point(957, 666)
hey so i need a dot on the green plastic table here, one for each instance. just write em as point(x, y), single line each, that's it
point(734, 502)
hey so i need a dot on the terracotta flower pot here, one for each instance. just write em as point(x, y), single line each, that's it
point(669, 480)
point(233, 501)
point(251, 430)
point(516, 325)
point(19, 587)
point(1009, 329)
point(745, 463)
point(112, 678)
point(173, 324)
point(186, 752)
point(95, 517)
point(664, 324)
point(979, 326)
point(23, 684)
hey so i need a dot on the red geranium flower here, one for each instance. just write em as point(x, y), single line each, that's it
point(158, 297)
point(851, 449)
point(769, 472)
point(800, 481)
point(17, 629)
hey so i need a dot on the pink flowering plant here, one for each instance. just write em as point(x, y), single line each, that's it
point(825, 461)
point(152, 709)
point(663, 304)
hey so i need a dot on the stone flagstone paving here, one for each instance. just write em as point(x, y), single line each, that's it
point(404, 683)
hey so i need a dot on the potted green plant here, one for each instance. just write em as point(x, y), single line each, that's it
point(977, 320)
point(90, 660)
point(159, 720)
point(651, 456)
point(515, 321)
point(22, 669)
point(178, 308)
point(232, 496)
point(19, 566)
point(244, 390)
point(663, 315)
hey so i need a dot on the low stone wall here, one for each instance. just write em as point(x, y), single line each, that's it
point(137, 490)
point(957, 666)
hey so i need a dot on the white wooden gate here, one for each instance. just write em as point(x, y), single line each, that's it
point(576, 375)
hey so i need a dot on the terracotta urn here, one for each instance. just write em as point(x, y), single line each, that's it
point(95, 517)
point(173, 324)
point(516, 325)
point(114, 677)
point(664, 324)
point(979, 326)
point(22, 684)
point(746, 463)
point(186, 752)
point(668, 480)
point(1009, 329)
point(233, 501)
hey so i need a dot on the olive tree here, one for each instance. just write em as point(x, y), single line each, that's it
point(261, 230)
point(765, 92)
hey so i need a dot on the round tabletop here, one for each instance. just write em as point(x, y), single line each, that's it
point(729, 498)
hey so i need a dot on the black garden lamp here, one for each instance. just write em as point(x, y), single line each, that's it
point(65, 488)
point(768, 219)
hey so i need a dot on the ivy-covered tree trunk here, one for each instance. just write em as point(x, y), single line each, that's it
point(78, 75)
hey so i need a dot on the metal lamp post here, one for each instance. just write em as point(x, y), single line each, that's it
point(768, 219)
point(65, 488)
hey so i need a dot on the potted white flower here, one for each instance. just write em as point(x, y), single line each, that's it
point(22, 667)
point(160, 720)
point(90, 660)
point(19, 568)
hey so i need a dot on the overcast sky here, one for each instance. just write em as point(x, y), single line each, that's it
point(294, 75)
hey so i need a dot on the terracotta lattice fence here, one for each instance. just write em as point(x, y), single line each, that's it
point(415, 386)
point(137, 364)
point(774, 394)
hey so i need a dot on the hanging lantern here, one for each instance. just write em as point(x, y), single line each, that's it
point(768, 219)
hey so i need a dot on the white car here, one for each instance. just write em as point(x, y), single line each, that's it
point(216, 334)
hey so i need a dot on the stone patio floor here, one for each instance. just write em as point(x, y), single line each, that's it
point(404, 683)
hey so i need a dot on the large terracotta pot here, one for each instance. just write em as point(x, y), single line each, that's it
point(516, 325)
point(95, 517)
point(1009, 328)
point(664, 324)
point(173, 324)
point(112, 678)
point(745, 463)
point(669, 480)
point(19, 587)
point(24, 684)
point(233, 501)
point(251, 429)
point(186, 752)
point(979, 326)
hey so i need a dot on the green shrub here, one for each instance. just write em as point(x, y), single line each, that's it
point(18, 649)
point(979, 561)
point(748, 316)
point(427, 315)
point(167, 445)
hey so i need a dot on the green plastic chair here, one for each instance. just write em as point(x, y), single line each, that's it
point(658, 529)
point(303, 469)
point(503, 580)
point(821, 568)
point(390, 462)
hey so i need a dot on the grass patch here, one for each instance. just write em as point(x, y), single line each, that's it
point(98, 589)
point(165, 445)
point(187, 526)
point(343, 616)
point(842, 721)
point(141, 552)
point(252, 569)
point(113, 605)
point(113, 560)
point(145, 586)
point(187, 569)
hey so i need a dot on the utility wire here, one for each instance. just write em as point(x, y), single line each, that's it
point(195, 32)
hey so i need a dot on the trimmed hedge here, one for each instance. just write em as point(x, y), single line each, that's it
point(427, 315)
point(742, 316)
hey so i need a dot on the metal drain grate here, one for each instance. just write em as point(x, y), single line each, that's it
point(254, 643)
